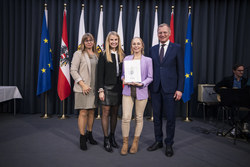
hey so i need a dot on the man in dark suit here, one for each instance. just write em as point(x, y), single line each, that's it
point(167, 87)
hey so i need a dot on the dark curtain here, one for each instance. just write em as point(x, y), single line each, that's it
point(221, 38)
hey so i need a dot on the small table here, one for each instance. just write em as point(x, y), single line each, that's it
point(8, 93)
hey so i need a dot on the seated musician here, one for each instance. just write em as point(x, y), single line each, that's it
point(235, 81)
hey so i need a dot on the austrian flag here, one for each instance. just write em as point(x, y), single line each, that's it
point(63, 85)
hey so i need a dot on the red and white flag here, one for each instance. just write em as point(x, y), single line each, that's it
point(63, 85)
point(171, 38)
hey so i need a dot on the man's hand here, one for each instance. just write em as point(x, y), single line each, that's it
point(177, 95)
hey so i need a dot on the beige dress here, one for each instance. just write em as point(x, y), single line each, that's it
point(88, 101)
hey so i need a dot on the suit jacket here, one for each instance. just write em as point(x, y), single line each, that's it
point(107, 71)
point(228, 83)
point(80, 69)
point(146, 77)
point(170, 73)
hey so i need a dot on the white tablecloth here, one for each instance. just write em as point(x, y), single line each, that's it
point(8, 93)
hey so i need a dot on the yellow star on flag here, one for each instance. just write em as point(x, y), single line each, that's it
point(45, 40)
point(186, 40)
point(50, 50)
point(49, 65)
point(43, 70)
point(191, 73)
point(187, 75)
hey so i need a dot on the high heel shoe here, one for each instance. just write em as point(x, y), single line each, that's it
point(90, 138)
point(112, 140)
point(107, 145)
point(83, 144)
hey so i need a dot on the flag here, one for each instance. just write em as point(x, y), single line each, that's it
point(81, 30)
point(100, 41)
point(188, 63)
point(120, 29)
point(45, 60)
point(155, 40)
point(171, 38)
point(137, 24)
point(63, 85)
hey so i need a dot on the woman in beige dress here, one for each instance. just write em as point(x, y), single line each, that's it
point(83, 71)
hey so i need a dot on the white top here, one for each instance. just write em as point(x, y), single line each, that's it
point(117, 62)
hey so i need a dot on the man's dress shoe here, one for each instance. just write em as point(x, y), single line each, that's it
point(155, 146)
point(169, 151)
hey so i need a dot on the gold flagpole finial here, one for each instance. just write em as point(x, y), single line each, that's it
point(138, 8)
point(45, 6)
point(101, 6)
point(82, 6)
point(172, 8)
point(156, 7)
point(65, 6)
point(189, 9)
point(121, 7)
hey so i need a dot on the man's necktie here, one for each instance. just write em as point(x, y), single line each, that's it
point(162, 52)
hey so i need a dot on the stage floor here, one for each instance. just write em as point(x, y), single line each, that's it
point(28, 140)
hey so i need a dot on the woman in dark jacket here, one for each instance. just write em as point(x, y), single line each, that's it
point(110, 87)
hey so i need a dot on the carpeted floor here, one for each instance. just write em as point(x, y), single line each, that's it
point(30, 141)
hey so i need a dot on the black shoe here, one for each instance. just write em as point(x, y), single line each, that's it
point(112, 140)
point(107, 145)
point(90, 138)
point(155, 146)
point(169, 151)
point(83, 144)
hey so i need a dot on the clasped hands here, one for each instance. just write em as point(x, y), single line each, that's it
point(86, 89)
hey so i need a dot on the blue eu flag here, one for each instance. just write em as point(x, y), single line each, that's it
point(188, 63)
point(45, 61)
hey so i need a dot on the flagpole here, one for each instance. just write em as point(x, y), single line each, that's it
point(45, 106)
point(63, 112)
point(99, 113)
point(45, 116)
point(154, 42)
point(187, 119)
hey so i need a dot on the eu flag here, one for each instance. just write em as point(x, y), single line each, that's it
point(45, 61)
point(188, 63)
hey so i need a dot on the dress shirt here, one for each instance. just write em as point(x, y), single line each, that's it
point(165, 47)
point(237, 84)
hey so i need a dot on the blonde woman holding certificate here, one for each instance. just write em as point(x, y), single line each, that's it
point(135, 92)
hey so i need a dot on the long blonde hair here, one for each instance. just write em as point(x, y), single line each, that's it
point(84, 38)
point(119, 48)
point(142, 43)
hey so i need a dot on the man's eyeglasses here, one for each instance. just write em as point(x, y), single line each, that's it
point(240, 70)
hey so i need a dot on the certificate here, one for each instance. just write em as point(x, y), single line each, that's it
point(132, 70)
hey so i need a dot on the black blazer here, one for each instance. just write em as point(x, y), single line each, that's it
point(107, 71)
point(228, 83)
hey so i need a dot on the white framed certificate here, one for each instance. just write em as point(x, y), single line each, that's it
point(132, 70)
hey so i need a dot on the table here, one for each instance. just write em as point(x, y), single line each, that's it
point(9, 93)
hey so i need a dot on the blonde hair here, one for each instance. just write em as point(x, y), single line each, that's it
point(142, 43)
point(118, 48)
point(84, 38)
